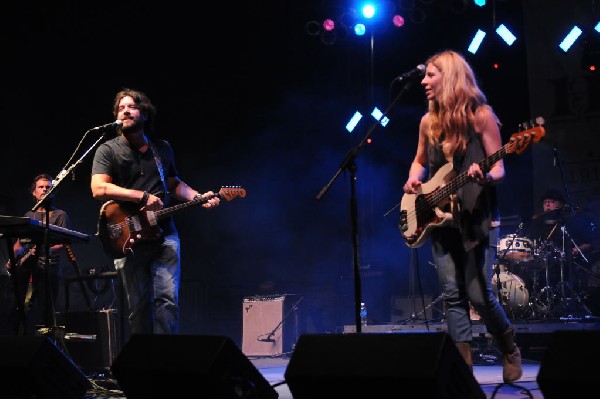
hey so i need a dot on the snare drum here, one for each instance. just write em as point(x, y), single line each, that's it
point(515, 295)
point(515, 248)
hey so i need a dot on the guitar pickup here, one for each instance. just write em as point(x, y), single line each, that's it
point(403, 225)
point(152, 219)
point(115, 230)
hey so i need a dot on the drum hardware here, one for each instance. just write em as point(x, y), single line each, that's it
point(541, 299)
point(564, 306)
point(546, 295)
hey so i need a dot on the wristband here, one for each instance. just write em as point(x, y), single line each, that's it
point(144, 199)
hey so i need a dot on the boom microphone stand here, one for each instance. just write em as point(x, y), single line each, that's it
point(49, 315)
point(56, 332)
point(566, 237)
point(348, 164)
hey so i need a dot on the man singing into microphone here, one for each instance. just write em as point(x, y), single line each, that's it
point(139, 173)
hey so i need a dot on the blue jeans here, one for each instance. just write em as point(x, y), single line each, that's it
point(151, 278)
point(465, 276)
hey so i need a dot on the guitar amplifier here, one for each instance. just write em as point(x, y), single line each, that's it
point(92, 338)
point(270, 324)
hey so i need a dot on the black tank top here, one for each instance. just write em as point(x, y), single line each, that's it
point(478, 203)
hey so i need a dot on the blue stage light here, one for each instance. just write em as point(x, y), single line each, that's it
point(368, 11)
point(476, 41)
point(360, 29)
point(378, 115)
point(568, 41)
point(353, 121)
point(506, 34)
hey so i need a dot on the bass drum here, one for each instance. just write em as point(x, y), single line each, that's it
point(515, 296)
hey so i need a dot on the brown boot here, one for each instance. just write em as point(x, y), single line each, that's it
point(464, 348)
point(511, 356)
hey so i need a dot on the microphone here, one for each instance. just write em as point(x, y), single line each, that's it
point(116, 123)
point(413, 73)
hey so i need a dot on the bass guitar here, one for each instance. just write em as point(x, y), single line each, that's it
point(121, 227)
point(427, 209)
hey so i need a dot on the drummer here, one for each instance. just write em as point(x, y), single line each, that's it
point(546, 231)
point(546, 226)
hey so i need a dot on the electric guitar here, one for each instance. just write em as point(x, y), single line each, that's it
point(121, 226)
point(26, 258)
point(428, 208)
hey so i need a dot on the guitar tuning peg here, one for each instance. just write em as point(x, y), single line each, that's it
point(540, 120)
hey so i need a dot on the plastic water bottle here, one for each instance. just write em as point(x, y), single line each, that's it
point(363, 314)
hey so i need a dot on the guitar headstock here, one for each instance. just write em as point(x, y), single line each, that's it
point(231, 192)
point(533, 131)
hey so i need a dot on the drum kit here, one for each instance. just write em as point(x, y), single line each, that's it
point(530, 280)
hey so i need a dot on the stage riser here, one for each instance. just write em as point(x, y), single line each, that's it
point(532, 338)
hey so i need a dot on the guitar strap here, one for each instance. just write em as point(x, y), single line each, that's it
point(159, 166)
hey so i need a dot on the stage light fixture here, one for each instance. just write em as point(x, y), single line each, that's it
point(476, 41)
point(378, 115)
point(571, 37)
point(506, 34)
point(353, 121)
point(328, 24)
point(328, 37)
point(479, 3)
point(360, 29)
point(368, 11)
point(398, 21)
point(312, 28)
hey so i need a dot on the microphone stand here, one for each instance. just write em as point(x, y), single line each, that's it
point(349, 165)
point(55, 331)
point(269, 336)
point(568, 204)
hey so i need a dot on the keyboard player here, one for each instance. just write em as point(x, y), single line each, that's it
point(35, 295)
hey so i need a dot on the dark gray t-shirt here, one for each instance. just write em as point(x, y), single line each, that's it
point(133, 169)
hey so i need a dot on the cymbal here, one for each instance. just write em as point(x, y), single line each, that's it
point(557, 215)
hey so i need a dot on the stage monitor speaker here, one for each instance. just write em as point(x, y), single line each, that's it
point(33, 366)
point(570, 366)
point(373, 365)
point(173, 366)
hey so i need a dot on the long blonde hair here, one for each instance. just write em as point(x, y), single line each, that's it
point(452, 112)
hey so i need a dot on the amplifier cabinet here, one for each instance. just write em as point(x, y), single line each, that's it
point(270, 324)
point(92, 338)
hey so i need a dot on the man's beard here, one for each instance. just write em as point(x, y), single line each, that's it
point(135, 127)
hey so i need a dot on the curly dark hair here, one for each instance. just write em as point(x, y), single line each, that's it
point(142, 101)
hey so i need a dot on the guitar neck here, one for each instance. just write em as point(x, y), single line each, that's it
point(163, 213)
point(463, 178)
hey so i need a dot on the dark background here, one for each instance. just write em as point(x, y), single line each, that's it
point(247, 97)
